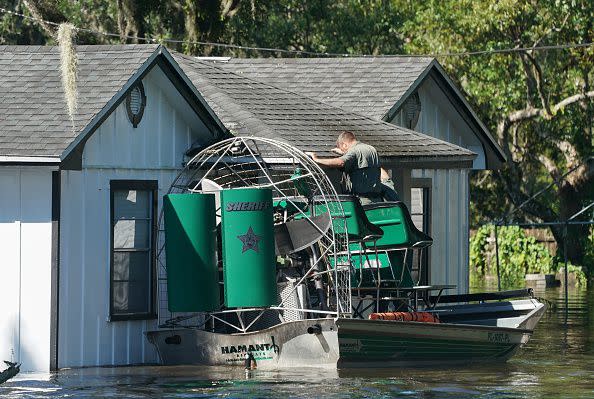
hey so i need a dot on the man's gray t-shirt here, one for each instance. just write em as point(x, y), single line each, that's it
point(361, 162)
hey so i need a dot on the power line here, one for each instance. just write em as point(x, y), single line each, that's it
point(175, 41)
point(310, 53)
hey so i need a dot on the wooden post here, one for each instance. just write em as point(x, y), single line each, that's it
point(497, 260)
point(401, 178)
point(565, 274)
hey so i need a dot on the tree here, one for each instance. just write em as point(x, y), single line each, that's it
point(344, 27)
point(539, 104)
point(184, 20)
point(15, 30)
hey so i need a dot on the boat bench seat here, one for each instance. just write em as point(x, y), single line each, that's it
point(395, 221)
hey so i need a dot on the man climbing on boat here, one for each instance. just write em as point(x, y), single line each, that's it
point(361, 163)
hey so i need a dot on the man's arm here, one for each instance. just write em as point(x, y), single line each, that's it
point(330, 162)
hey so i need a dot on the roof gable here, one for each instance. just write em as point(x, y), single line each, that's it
point(33, 117)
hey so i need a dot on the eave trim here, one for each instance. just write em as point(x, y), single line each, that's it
point(29, 160)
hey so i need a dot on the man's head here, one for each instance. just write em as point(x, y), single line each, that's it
point(345, 140)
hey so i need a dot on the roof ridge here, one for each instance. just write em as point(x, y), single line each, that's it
point(311, 59)
point(41, 49)
point(340, 81)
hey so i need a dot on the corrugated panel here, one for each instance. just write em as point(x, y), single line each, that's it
point(25, 234)
point(449, 226)
point(10, 229)
point(449, 191)
point(439, 118)
point(86, 336)
point(167, 129)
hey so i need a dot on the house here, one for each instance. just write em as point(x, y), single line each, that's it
point(81, 196)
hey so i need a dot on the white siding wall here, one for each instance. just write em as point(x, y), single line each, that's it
point(440, 119)
point(153, 151)
point(25, 265)
point(449, 188)
point(449, 226)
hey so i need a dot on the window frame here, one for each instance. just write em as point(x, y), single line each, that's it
point(143, 185)
point(426, 185)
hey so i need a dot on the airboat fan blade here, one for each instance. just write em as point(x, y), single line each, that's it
point(296, 235)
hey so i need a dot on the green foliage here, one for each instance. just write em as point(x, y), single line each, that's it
point(519, 254)
point(588, 263)
point(499, 86)
point(345, 27)
point(580, 276)
point(15, 30)
point(478, 249)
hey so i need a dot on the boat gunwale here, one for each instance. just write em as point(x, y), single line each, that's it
point(343, 322)
point(434, 325)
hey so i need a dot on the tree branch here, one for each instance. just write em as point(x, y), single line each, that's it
point(532, 112)
point(530, 79)
point(46, 11)
point(537, 74)
point(229, 8)
point(550, 166)
point(510, 178)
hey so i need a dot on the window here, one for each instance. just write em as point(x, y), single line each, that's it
point(420, 212)
point(133, 234)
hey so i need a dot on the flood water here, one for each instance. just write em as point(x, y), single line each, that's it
point(557, 363)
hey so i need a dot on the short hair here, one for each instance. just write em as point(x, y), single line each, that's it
point(345, 137)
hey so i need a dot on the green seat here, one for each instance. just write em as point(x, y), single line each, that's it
point(358, 226)
point(399, 230)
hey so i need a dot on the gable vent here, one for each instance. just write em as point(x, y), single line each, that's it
point(411, 109)
point(135, 103)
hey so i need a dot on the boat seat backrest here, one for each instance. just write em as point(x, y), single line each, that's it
point(396, 222)
point(358, 226)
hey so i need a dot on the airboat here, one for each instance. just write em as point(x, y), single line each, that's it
point(263, 264)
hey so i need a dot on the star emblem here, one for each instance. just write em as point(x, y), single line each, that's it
point(250, 240)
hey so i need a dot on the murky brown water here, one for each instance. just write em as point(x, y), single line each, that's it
point(557, 363)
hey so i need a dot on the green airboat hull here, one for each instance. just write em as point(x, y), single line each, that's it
point(345, 342)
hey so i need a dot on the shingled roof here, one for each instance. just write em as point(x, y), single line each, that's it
point(367, 85)
point(372, 86)
point(34, 121)
point(250, 107)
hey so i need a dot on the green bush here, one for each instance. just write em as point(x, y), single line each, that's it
point(580, 276)
point(519, 254)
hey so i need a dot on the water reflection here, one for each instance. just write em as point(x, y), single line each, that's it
point(557, 363)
